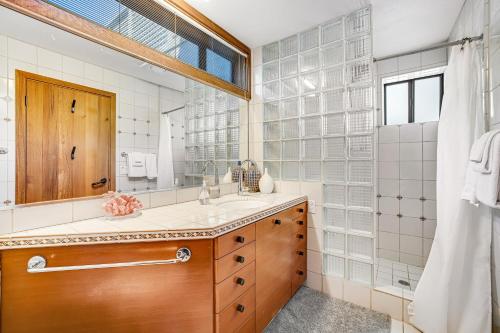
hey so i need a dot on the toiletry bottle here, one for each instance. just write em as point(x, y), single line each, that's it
point(204, 195)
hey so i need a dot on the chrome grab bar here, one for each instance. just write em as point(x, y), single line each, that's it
point(38, 264)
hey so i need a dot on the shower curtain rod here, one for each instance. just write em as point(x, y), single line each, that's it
point(435, 47)
point(180, 107)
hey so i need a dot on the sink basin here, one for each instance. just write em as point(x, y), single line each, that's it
point(242, 204)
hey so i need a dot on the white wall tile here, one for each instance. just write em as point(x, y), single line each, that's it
point(429, 170)
point(410, 133)
point(88, 208)
point(314, 239)
point(49, 59)
point(314, 281)
point(314, 261)
point(411, 226)
point(388, 134)
point(388, 187)
point(21, 51)
point(430, 131)
point(429, 151)
point(410, 151)
point(410, 245)
point(32, 217)
point(333, 286)
point(357, 293)
point(411, 188)
point(388, 205)
point(73, 66)
point(430, 189)
point(6, 221)
point(388, 170)
point(388, 152)
point(411, 170)
point(388, 241)
point(429, 228)
point(430, 209)
point(388, 223)
point(411, 207)
point(388, 304)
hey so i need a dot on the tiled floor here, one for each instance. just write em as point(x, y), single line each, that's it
point(388, 275)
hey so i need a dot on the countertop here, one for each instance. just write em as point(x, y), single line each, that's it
point(189, 220)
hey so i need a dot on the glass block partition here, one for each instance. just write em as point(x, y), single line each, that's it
point(212, 130)
point(319, 126)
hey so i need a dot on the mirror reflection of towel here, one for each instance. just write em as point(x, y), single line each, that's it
point(136, 164)
point(151, 167)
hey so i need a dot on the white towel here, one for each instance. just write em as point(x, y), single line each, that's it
point(136, 164)
point(481, 152)
point(151, 167)
point(484, 187)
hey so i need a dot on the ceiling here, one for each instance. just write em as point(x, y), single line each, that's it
point(399, 25)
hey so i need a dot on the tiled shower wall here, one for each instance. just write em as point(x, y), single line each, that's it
point(406, 169)
point(407, 192)
point(137, 106)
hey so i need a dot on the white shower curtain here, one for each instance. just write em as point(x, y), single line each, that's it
point(165, 158)
point(454, 292)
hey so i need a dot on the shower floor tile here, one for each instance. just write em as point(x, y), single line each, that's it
point(389, 275)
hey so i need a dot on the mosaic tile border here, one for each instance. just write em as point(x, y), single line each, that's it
point(132, 237)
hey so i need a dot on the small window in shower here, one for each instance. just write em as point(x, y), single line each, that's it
point(413, 100)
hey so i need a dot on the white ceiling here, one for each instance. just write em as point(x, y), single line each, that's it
point(399, 25)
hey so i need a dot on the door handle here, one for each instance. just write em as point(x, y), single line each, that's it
point(73, 151)
point(101, 182)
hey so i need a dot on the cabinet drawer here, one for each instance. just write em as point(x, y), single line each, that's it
point(237, 313)
point(299, 239)
point(234, 261)
point(234, 286)
point(234, 240)
point(299, 276)
point(249, 326)
point(298, 212)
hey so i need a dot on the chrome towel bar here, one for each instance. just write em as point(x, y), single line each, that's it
point(38, 264)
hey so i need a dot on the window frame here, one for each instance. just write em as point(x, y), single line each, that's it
point(411, 95)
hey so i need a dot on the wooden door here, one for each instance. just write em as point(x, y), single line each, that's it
point(156, 298)
point(65, 140)
point(273, 267)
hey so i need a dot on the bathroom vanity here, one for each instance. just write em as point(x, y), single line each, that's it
point(232, 277)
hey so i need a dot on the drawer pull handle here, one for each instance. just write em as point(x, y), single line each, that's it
point(300, 253)
point(301, 210)
point(240, 308)
point(278, 222)
point(300, 222)
point(240, 259)
point(300, 236)
point(38, 264)
point(240, 239)
point(240, 281)
point(300, 272)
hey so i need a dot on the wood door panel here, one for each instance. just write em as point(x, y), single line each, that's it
point(273, 271)
point(161, 298)
point(228, 265)
point(234, 240)
point(48, 129)
point(229, 289)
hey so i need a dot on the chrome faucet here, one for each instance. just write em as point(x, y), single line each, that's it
point(242, 190)
point(213, 190)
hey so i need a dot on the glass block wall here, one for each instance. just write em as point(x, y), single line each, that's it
point(318, 125)
point(212, 130)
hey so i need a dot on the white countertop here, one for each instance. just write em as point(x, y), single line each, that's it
point(189, 220)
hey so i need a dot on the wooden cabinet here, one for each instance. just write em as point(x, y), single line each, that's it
point(155, 298)
point(65, 139)
point(281, 261)
point(235, 283)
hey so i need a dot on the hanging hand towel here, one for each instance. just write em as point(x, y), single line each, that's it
point(136, 164)
point(481, 151)
point(151, 167)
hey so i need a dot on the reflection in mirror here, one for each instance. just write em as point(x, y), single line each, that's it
point(166, 126)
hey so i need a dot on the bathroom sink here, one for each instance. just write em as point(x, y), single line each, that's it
point(242, 204)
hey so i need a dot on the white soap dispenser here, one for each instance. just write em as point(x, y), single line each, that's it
point(228, 177)
point(204, 195)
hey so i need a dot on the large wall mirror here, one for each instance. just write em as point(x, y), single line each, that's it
point(79, 119)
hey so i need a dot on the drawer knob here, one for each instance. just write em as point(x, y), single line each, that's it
point(300, 222)
point(300, 272)
point(240, 281)
point(240, 259)
point(240, 308)
point(300, 253)
point(301, 210)
point(277, 222)
point(300, 236)
point(240, 239)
